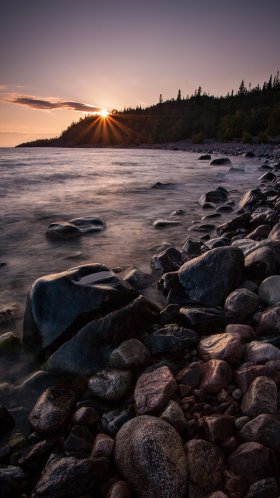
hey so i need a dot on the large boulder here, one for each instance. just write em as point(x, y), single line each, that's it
point(241, 221)
point(89, 350)
point(205, 320)
point(150, 455)
point(261, 352)
point(209, 278)
point(60, 304)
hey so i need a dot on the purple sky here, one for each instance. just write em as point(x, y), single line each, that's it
point(116, 54)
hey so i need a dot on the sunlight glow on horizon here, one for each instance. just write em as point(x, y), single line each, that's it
point(104, 113)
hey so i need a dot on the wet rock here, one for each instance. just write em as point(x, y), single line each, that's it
point(178, 212)
point(269, 290)
point(86, 416)
point(171, 339)
point(241, 221)
point(216, 374)
point(225, 346)
point(78, 442)
point(264, 488)
point(251, 461)
point(262, 263)
point(247, 373)
point(208, 205)
point(245, 331)
point(136, 278)
point(261, 397)
point(206, 464)
point(52, 409)
point(204, 320)
point(217, 428)
point(11, 479)
point(242, 303)
point(190, 375)
point(166, 261)
point(6, 421)
point(153, 390)
point(220, 161)
point(270, 321)
point(249, 154)
point(113, 420)
point(160, 185)
point(224, 209)
point(165, 223)
point(65, 230)
point(204, 157)
point(129, 354)
point(119, 489)
point(264, 429)
point(149, 450)
point(251, 198)
point(267, 177)
point(261, 352)
point(103, 446)
point(174, 415)
point(240, 422)
point(200, 276)
point(235, 486)
point(261, 232)
point(36, 456)
point(9, 342)
point(213, 196)
point(65, 476)
point(263, 215)
point(191, 249)
point(90, 350)
point(66, 301)
point(216, 242)
point(111, 384)
point(275, 232)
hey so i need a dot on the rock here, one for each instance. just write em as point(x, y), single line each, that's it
point(267, 177)
point(11, 480)
point(36, 456)
point(204, 320)
point(263, 215)
point(86, 416)
point(103, 446)
point(275, 232)
point(206, 464)
point(260, 352)
point(216, 374)
point(235, 486)
point(65, 476)
point(165, 223)
point(213, 196)
point(90, 350)
point(264, 488)
point(191, 249)
point(52, 409)
point(242, 303)
point(174, 415)
point(136, 278)
point(160, 185)
point(261, 397)
point(240, 422)
point(166, 261)
point(245, 331)
point(8, 313)
point(220, 161)
point(110, 385)
point(6, 421)
point(261, 232)
point(119, 489)
point(65, 230)
point(171, 339)
point(65, 301)
point(78, 442)
point(204, 157)
point(8, 343)
point(250, 199)
point(249, 154)
point(200, 276)
point(270, 321)
point(224, 209)
point(154, 390)
point(241, 221)
point(149, 450)
point(216, 242)
point(217, 428)
point(190, 375)
point(225, 346)
point(113, 420)
point(208, 205)
point(178, 212)
point(130, 354)
point(262, 263)
point(264, 429)
point(251, 461)
point(269, 290)
point(247, 373)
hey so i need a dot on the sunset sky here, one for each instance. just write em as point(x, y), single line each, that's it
point(62, 58)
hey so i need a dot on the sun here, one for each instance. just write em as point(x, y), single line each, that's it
point(104, 113)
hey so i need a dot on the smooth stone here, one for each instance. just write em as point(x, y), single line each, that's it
point(103, 446)
point(174, 415)
point(263, 215)
point(111, 384)
point(216, 242)
point(171, 339)
point(136, 278)
point(225, 346)
point(149, 450)
point(242, 303)
point(78, 442)
point(245, 331)
point(250, 198)
point(56, 303)
point(224, 209)
point(217, 428)
point(275, 232)
point(251, 461)
point(260, 398)
point(270, 321)
point(204, 320)
point(9, 342)
point(248, 372)
point(154, 390)
point(262, 263)
point(119, 489)
point(113, 420)
point(269, 290)
point(52, 410)
point(241, 221)
point(240, 422)
point(216, 375)
point(264, 488)
point(65, 230)
point(86, 416)
point(204, 157)
point(261, 352)
point(191, 249)
point(208, 205)
point(261, 232)
point(130, 354)
point(267, 177)
point(213, 197)
point(161, 223)
point(190, 375)
point(220, 161)
point(167, 260)
point(200, 280)
point(264, 429)
point(205, 464)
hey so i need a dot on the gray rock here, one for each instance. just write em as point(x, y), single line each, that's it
point(113, 420)
point(261, 352)
point(130, 354)
point(220, 161)
point(264, 488)
point(264, 429)
point(110, 384)
point(269, 290)
point(206, 464)
point(242, 303)
point(213, 196)
point(149, 450)
point(171, 339)
point(260, 398)
point(65, 230)
point(168, 260)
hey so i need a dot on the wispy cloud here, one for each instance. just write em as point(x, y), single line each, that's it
point(48, 104)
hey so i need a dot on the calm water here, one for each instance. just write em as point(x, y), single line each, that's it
point(39, 186)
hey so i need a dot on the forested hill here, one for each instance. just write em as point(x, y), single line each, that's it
point(247, 114)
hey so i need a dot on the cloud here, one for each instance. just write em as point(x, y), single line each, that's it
point(49, 104)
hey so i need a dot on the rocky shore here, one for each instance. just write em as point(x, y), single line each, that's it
point(144, 401)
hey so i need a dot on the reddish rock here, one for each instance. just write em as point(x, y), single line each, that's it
point(216, 374)
point(217, 494)
point(242, 303)
point(247, 373)
point(119, 490)
point(86, 416)
point(218, 428)
point(270, 321)
point(264, 429)
point(205, 463)
point(154, 390)
point(230, 445)
point(174, 414)
point(103, 446)
point(190, 375)
point(225, 346)
point(235, 486)
point(245, 331)
point(265, 488)
point(261, 397)
point(261, 352)
point(252, 461)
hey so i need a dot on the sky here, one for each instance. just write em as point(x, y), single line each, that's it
point(61, 59)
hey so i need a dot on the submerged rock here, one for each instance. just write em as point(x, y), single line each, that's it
point(168, 260)
point(213, 196)
point(220, 161)
point(65, 230)
point(161, 223)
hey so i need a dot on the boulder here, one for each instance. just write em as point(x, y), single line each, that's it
point(264, 429)
point(261, 232)
point(217, 428)
point(103, 446)
point(205, 464)
point(261, 397)
point(251, 461)
point(213, 196)
point(251, 198)
point(262, 263)
point(264, 488)
point(261, 352)
point(204, 320)
point(130, 354)
point(110, 384)
point(166, 261)
point(136, 278)
point(154, 390)
point(174, 415)
point(216, 375)
point(65, 230)
point(9, 342)
point(246, 332)
point(269, 290)
point(225, 346)
point(90, 349)
point(270, 321)
point(220, 161)
point(62, 303)
point(200, 277)
point(204, 157)
point(119, 489)
point(149, 450)
point(171, 339)
point(275, 232)
point(242, 303)
point(191, 249)
point(241, 221)
point(267, 177)
point(247, 373)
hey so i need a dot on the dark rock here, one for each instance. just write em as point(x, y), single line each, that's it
point(270, 321)
point(113, 420)
point(235, 486)
point(216, 374)
point(242, 303)
point(154, 390)
point(136, 278)
point(8, 313)
point(119, 489)
point(245, 331)
point(11, 480)
point(251, 461)
point(263, 215)
point(269, 290)
point(89, 351)
point(241, 221)
point(190, 375)
point(261, 352)
point(111, 384)
point(86, 416)
point(220, 161)
point(171, 339)
point(267, 177)
point(6, 421)
point(130, 354)
point(174, 415)
point(264, 429)
point(208, 205)
point(225, 346)
point(178, 212)
point(216, 242)
point(66, 301)
point(36, 456)
point(275, 232)
point(247, 373)
point(149, 450)
point(251, 198)
point(103, 446)
point(191, 249)
point(204, 157)
point(166, 261)
point(200, 276)
point(160, 185)
point(217, 428)
point(52, 409)
point(264, 488)
point(213, 196)
point(261, 397)
point(78, 442)
point(224, 209)
point(65, 230)
point(205, 464)
point(262, 263)
point(249, 154)
point(204, 320)
point(9, 342)
point(261, 232)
